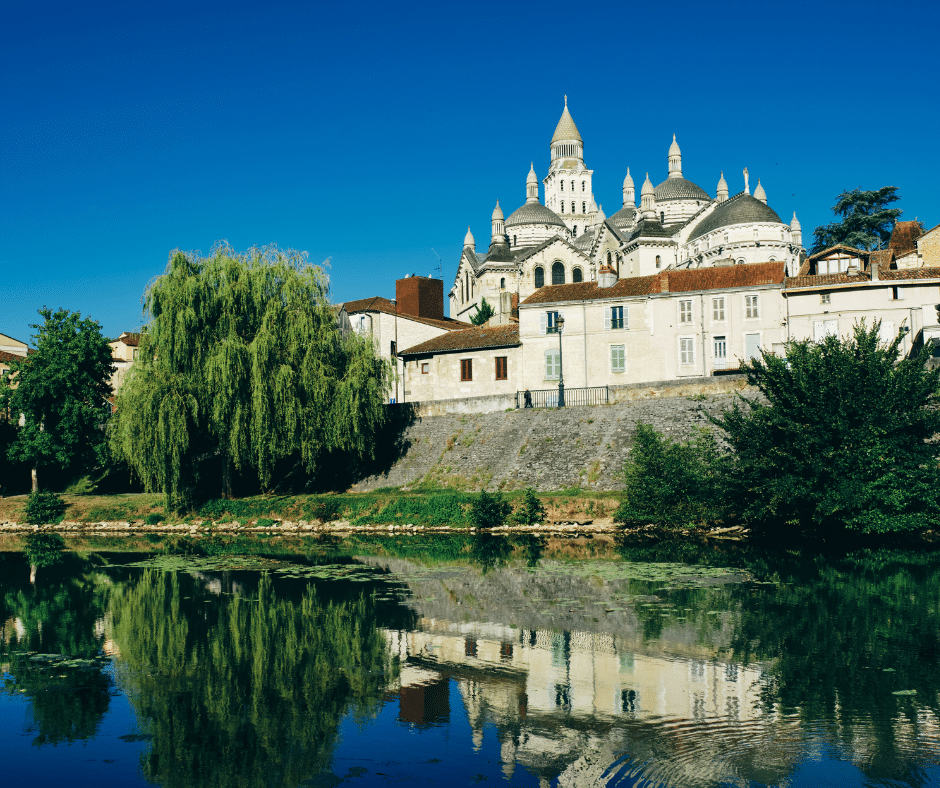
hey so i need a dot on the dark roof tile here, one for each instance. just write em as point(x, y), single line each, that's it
point(476, 338)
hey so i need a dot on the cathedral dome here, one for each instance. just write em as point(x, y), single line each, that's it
point(624, 218)
point(679, 189)
point(740, 209)
point(534, 213)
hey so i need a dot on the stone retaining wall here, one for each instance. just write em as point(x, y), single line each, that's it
point(548, 449)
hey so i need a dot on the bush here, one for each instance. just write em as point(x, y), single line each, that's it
point(326, 509)
point(677, 483)
point(845, 442)
point(531, 511)
point(44, 507)
point(154, 519)
point(489, 510)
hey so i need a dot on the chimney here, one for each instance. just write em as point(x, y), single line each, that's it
point(606, 276)
point(874, 271)
point(420, 296)
point(664, 282)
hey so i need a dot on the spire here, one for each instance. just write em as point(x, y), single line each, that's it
point(759, 193)
point(629, 192)
point(796, 232)
point(532, 185)
point(675, 159)
point(722, 191)
point(468, 240)
point(647, 199)
point(498, 231)
point(566, 141)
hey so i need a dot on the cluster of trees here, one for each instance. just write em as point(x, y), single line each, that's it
point(242, 367)
point(843, 438)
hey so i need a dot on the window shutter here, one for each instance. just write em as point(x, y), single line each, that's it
point(607, 318)
point(626, 318)
point(819, 331)
point(543, 323)
point(886, 333)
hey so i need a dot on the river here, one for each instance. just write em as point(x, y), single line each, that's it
point(468, 660)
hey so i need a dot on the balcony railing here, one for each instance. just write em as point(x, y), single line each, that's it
point(548, 398)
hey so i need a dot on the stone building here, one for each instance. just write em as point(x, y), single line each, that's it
point(567, 237)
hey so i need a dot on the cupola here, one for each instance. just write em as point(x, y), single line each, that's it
point(647, 200)
point(498, 229)
point(759, 193)
point(566, 141)
point(796, 231)
point(722, 191)
point(532, 185)
point(469, 241)
point(629, 192)
point(675, 159)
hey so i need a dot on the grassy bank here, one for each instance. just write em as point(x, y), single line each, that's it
point(386, 506)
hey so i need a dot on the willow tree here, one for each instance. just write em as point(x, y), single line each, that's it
point(242, 357)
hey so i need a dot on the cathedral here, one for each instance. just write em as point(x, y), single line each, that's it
point(568, 238)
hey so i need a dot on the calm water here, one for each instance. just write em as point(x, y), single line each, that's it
point(471, 661)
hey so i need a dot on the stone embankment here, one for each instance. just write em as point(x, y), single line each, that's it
point(546, 449)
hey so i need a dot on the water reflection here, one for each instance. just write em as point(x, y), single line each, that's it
point(546, 668)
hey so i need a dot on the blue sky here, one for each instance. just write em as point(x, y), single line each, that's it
point(374, 133)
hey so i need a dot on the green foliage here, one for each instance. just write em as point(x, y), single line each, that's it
point(484, 313)
point(866, 221)
point(43, 508)
point(242, 357)
point(154, 519)
point(530, 511)
point(844, 441)
point(62, 390)
point(326, 509)
point(44, 549)
point(489, 510)
point(678, 483)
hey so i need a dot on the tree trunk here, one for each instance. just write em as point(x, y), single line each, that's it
point(32, 573)
point(35, 475)
point(226, 478)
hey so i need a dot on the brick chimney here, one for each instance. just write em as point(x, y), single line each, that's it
point(420, 296)
point(664, 282)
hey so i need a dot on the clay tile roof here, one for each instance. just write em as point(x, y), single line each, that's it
point(883, 257)
point(129, 339)
point(825, 280)
point(911, 273)
point(904, 237)
point(476, 338)
point(751, 275)
point(383, 305)
point(5, 357)
point(851, 250)
point(589, 291)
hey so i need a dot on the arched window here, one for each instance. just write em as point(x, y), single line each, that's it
point(539, 277)
point(577, 276)
point(562, 206)
point(558, 273)
point(662, 217)
point(608, 258)
point(573, 209)
point(659, 262)
point(583, 207)
point(502, 283)
point(583, 186)
point(466, 283)
point(572, 186)
point(462, 297)
point(562, 185)
point(574, 231)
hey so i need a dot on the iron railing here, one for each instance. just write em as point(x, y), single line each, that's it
point(548, 398)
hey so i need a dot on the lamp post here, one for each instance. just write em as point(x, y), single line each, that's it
point(560, 324)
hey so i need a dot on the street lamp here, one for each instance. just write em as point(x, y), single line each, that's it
point(560, 324)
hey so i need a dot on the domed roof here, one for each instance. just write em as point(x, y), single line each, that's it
point(674, 148)
point(534, 213)
point(497, 212)
point(566, 130)
point(740, 209)
point(647, 186)
point(624, 218)
point(795, 224)
point(468, 239)
point(679, 189)
point(722, 183)
point(628, 181)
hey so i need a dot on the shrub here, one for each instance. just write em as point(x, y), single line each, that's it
point(326, 509)
point(672, 482)
point(845, 442)
point(489, 510)
point(154, 519)
point(531, 511)
point(44, 507)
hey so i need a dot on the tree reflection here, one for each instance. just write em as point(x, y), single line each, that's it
point(52, 640)
point(244, 690)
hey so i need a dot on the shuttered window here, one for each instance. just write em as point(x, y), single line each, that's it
point(552, 365)
point(502, 368)
point(685, 311)
point(618, 358)
point(466, 369)
point(687, 351)
point(750, 306)
point(718, 309)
